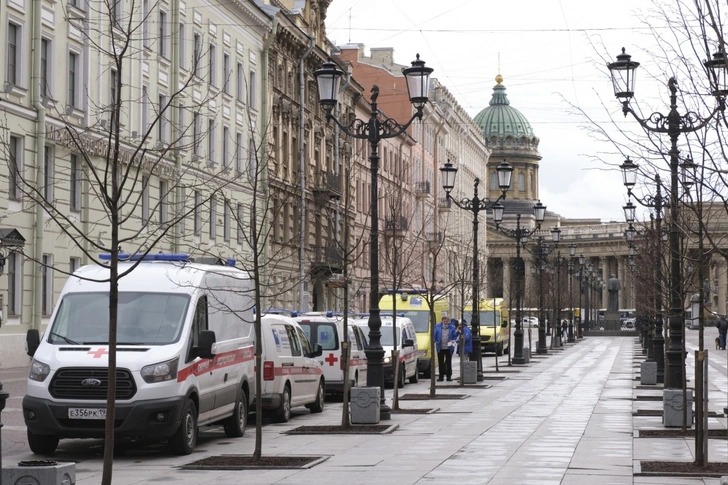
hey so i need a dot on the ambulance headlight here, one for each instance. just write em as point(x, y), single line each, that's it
point(164, 371)
point(422, 353)
point(387, 360)
point(38, 371)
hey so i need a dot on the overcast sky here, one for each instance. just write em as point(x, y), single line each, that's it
point(549, 57)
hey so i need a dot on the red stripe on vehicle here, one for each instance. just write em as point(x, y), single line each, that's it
point(225, 359)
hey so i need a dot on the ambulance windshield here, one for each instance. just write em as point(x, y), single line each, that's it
point(143, 319)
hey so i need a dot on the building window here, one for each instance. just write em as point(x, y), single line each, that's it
point(15, 176)
point(211, 140)
point(213, 217)
point(145, 24)
point(145, 110)
point(162, 121)
point(145, 200)
point(163, 35)
point(494, 181)
point(73, 264)
point(240, 82)
point(241, 227)
point(72, 79)
point(226, 72)
point(196, 128)
point(252, 161)
point(113, 97)
point(252, 90)
point(45, 60)
point(15, 273)
point(212, 67)
point(197, 213)
point(48, 173)
point(116, 12)
point(163, 202)
point(47, 290)
point(226, 221)
point(239, 157)
point(198, 54)
point(12, 67)
point(226, 147)
point(181, 36)
point(75, 189)
point(521, 181)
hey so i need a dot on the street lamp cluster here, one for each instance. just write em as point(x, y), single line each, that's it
point(673, 124)
point(375, 129)
point(476, 205)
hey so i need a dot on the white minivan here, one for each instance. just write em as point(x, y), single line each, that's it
point(291, 374)
point(185, 355)
point(328, 330)
point(406, 337)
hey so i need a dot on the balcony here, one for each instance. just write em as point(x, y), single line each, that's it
point(396, 227)
point(422, 189)
point(434, 239)
point(328, 260)
point(326, 186)
point(444, 204)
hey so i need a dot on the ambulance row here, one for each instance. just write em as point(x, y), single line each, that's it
point(185, 355)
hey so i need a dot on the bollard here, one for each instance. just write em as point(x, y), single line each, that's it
point(3, 397)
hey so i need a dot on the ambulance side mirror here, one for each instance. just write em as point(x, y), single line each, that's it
point(204, 349)
point(317, 350)
point(32, 341)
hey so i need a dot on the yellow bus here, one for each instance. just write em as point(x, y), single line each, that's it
point(495, 326)
point(413, 305)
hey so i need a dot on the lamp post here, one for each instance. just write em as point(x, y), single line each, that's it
point(521, 235)
point(572, 255)
point(375, 129)
point(656, 348)
point(582, 310)
point(476, 205)
point(543, 250)
point(674, 124)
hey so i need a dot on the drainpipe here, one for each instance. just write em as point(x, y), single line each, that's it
point(40, 138)
point(175, 128)
point(264, 142)
point(302, 166)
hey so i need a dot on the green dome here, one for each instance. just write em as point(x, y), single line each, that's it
point(500, 119)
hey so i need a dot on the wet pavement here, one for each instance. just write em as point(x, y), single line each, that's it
point(568, 417)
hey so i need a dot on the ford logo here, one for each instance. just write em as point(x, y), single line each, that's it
point(90, 383)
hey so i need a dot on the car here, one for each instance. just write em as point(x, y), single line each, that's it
point(406, 336)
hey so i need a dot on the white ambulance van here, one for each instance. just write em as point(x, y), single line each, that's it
point(406, 338)
point(328, 330)
point(291, 374)
point(185, 355)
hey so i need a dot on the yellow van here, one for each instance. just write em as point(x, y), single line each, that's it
point(413, 305)
point(495, 329)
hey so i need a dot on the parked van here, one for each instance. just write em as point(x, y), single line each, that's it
point(406, 339)
point(414, 306)
point(291, 374)
point(328, 331)
point(495, 327)
point(184, 357)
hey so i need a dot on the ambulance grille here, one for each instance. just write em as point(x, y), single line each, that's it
point(78, 383)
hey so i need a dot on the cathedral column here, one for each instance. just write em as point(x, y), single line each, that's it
point(604, 260)
point(721, 267)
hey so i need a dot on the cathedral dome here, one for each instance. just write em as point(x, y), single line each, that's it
point(502, 120)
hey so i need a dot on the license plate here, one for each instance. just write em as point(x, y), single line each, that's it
point(87, 413)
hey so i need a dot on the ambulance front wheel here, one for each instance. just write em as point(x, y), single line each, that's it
point(41, 444)
point(235, 425)
point(183, 441)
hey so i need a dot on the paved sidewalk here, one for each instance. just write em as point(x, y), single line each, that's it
point(566, 418)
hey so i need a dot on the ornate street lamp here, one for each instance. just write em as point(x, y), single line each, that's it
point(542, 252)
point(572, 256)
point(582, 310)
point(375, 129)
point(476, 205)
point(674, 124)
point(521, 235)
point(654, 344)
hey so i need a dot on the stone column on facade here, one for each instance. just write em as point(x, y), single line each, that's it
point(605, 261)
point(622, 275)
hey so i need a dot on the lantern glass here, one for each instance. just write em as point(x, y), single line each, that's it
point(688, 168)
point(572, 250)
point(418, 82)
point(629, 212)
point(498, 213)
point(581, 259)
point(629, 173)
point(555, 234)
point(505, 171)
point(719, 78)
point(623, 74)
point(448, 172)
point(540, 211)
point(328, 79)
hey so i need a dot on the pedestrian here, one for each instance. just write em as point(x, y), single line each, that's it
point(564, 329)
point(722, 331)
point(445, 338)
point(467, 343)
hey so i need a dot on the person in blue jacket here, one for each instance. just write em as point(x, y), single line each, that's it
point(445, 339)
point(467, 345)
